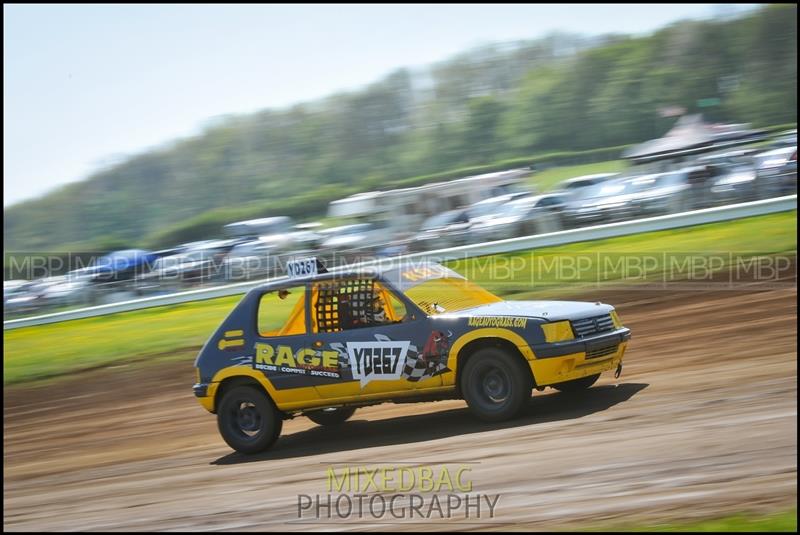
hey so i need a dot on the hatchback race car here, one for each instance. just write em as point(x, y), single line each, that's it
point(322, 344)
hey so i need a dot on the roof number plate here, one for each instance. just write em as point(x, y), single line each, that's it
point(302, 268)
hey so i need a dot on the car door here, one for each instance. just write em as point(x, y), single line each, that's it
point(380, 348)
point(282, 351)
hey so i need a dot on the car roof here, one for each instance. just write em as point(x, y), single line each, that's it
point(381, 271)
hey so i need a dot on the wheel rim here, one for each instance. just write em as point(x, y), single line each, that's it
point(245, 419)
point(496, 386)
point(493, 385)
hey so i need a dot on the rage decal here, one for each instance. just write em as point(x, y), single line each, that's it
point(304, 361)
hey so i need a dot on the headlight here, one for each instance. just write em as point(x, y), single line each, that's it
point(616, 320)
point(558, 331)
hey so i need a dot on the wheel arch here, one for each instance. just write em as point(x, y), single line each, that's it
point(233, 381)
point(472, 347)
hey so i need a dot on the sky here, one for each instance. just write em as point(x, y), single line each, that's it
point(85, 86)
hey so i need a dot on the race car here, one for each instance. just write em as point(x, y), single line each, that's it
point(320, 344)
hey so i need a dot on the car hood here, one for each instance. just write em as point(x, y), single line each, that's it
point(547, 310)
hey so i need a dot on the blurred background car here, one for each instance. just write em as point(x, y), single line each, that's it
point(660, 194)
point(71, 291)
point(265, 226)
point(198, 262)
point(30, 296)
point(776, 170)
point(254, 258)
point(785, 139)
point(606, 202)
point(525, 216)
point(10, 286)
point(349, 241)
point(574, 185)
point(736, 183)
point(448, 229)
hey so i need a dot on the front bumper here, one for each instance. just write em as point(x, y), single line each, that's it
point(204, 392)
point(573, 359)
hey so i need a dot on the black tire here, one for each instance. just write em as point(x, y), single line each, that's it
point(495, 384)
point(335, 416)
point(248, 420)
point(577, 385)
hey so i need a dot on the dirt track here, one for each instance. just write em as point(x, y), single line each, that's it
point(702, 422)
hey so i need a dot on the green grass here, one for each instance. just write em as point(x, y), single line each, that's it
point(663, 255)
point(776, 522)
point(174, 331)
point(547, 179)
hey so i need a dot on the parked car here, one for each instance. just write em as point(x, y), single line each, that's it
point(200, 261)
point(29, 297)
point(487, 208)
point(264, 226)
point(71, 291)
point(254, 258)
point(349, 241)
point(305, 237)
point(660, 193)
point(526, 216)
point(734, 183)
point(10, 286)
point(777, 172)
point(785, 139)
point(574, 185)
point(605, 202)
point(448, 229)
point(116, 266)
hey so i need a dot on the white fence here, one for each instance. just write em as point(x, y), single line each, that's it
point(685, 219)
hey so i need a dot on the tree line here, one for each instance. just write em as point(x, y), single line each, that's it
point(494, 103)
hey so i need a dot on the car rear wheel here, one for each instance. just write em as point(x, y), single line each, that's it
point(333, 416)
point(577, 385)
point(248, 420)
point(495, 384)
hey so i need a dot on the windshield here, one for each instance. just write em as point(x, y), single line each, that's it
point(437, 296)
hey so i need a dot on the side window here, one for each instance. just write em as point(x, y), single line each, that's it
point(342, 305)
point(282, 312)
point(396, 309)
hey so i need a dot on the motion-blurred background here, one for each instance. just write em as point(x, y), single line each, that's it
point(555, 132)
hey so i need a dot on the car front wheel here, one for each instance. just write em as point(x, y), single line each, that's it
point(248, 420)
point(495, 384)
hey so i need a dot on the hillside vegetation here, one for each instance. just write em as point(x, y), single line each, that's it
point(487, 108)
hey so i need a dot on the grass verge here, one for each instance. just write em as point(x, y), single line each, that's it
point(743, 522)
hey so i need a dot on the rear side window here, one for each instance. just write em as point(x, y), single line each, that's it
point(282, 312)
point(345, 304)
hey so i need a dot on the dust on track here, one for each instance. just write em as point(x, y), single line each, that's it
point(701, 423)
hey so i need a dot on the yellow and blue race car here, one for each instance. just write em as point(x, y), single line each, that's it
point(321, 344)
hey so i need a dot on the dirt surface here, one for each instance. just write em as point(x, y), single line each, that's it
point(701, 423)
